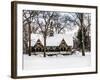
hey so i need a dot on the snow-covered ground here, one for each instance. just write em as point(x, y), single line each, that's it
point(56, 62)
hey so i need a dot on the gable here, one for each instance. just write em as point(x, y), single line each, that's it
point(54, 40)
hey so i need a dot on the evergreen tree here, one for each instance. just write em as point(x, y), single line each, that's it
point(86, 39)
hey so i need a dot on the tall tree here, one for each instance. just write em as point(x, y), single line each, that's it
point(45, 21)
point(28, 16)
point(86, 32)
point(82, 28)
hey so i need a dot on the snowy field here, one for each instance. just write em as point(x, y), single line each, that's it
point(56, 62)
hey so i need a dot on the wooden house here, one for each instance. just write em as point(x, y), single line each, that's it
point(38, 47)
point(63, 45)
point(56, 43)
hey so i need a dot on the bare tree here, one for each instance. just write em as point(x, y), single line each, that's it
point(45, 21)
point(28, 16)
point(62, 22)
point(80, 16)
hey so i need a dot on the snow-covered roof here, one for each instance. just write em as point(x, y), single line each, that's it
point(54, 40)
point(35, 37)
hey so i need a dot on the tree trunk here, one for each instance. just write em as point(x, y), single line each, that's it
point(83, 45)
point(29, 40)
point(26, 47)
point(44, 46)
